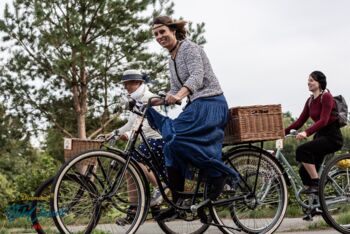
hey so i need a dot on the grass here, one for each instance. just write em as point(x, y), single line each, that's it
point(294, 211)
point(343, 218)
point(319, 225)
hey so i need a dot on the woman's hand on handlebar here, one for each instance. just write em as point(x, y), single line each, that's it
point(296, 134)
point(112, 136)
point(162, 100)
point(301, 135)
point(124, 137)
point(172, 99)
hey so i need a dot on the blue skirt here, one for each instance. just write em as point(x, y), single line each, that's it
point(195, 137)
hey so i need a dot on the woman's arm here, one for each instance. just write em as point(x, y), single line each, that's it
point(301, 120)
point(172, 99)
point(125, 129)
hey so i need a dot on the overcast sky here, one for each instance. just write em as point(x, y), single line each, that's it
point(263, 51)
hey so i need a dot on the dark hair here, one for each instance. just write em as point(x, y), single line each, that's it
point(174, 25)
point(320, 78)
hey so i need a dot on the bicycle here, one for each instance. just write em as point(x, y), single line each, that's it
point(103, 191)
point(330, 176)
point(335, 193)
point(41, 217)
point(42, 224)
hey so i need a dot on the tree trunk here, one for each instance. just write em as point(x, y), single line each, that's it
point(79, 90)
point(81, 126)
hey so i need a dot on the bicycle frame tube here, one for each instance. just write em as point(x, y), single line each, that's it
point(295, 180)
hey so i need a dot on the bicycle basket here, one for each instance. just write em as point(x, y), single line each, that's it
point(76, 146)
point(254, 123)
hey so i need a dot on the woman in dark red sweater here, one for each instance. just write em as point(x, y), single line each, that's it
point(327, 138)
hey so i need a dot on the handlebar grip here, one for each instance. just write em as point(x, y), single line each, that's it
point(177, 103)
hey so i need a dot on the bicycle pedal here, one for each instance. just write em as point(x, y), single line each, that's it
point(316, 211)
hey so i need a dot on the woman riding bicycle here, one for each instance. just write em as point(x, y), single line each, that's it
point(327, 139)
point(196, 136)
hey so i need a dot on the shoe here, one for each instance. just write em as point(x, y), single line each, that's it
point(231, 185)
point(157, 197)
point(313, 212)
point(170, 213)
point(130, 216)
point(316, 211)
point(308, 217)
point(313, 189)
point(216, 186)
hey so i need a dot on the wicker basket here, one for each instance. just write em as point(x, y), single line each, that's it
point(254, 123)
point(75, 146)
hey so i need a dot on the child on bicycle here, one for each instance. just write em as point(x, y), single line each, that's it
point(134, 83)
point(327, 135)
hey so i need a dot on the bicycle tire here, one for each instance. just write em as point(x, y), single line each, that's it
point(92, 210)
point(254, 220)
point(41, 223)
point(334, 194)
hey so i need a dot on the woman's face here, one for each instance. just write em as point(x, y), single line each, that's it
point(132, 85)
point(164, 36)
point(313, 84)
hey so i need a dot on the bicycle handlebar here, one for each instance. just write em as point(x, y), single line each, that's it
point(292, 133)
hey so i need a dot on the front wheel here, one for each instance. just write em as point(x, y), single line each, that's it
point(335, 193)
point(264, 211)
point(87, 201)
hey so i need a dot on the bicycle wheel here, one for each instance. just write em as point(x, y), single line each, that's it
point(264, 212)
point(335, 193)
point(85, 202)
point(187, 222)
point(43, 222)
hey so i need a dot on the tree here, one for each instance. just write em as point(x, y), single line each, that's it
point(15, 148)
point(72, 52)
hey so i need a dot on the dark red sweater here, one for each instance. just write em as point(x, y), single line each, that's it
point(320, 113)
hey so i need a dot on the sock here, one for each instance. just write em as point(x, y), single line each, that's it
point(315, 182)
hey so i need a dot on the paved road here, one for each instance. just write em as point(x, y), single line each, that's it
point(288, 226)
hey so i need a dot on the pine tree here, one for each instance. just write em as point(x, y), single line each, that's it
point(67, 56)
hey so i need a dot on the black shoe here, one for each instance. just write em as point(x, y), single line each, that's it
point(170, 213)
point(316, 211)
point(308, 217)
point(313, 212)
point(216, 186)
point(130, 216)
point(313, 189)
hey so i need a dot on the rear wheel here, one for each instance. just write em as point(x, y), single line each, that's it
point(264, 211)
point(335, 193)
point(86, 202)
